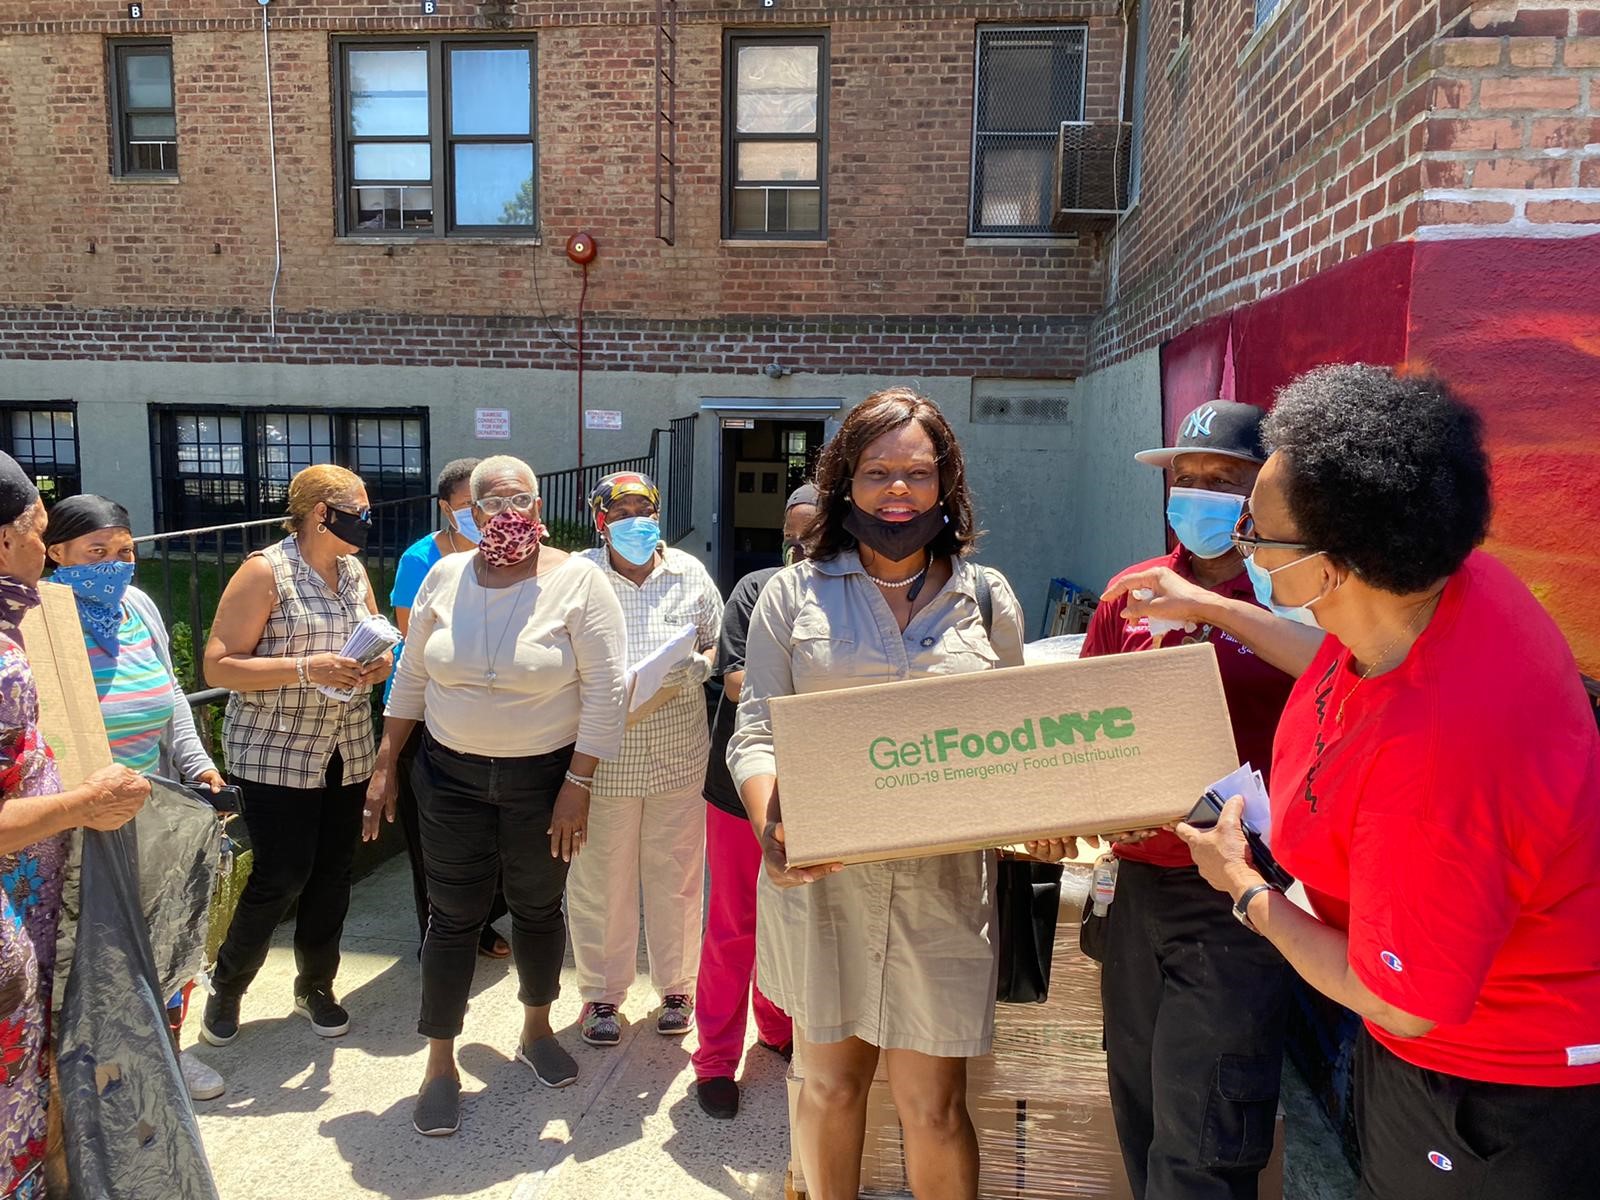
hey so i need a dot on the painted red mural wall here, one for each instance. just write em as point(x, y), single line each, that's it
point(1513, 324)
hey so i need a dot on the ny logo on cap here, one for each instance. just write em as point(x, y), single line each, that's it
point(1199, 422)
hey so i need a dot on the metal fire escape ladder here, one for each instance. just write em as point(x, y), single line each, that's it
point(667, 120)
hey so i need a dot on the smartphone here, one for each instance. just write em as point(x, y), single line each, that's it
point(1204, 816)
point(227, 799)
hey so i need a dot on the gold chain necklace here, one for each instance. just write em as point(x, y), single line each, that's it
point(1384, 655)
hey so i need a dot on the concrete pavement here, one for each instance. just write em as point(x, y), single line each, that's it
point(305, 1116)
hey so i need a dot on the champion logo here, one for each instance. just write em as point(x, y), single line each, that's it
point(1392, 961)
point(1199, 422)
point(1442, 1161)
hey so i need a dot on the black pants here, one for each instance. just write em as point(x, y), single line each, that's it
point(303, 840)
point(1429, 1136)
point(1195, 1006)
point(481, 818)
point(406, 808)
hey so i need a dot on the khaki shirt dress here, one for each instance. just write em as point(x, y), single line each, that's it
point(898, 954)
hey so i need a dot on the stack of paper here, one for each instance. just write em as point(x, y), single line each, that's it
point(1247, 782)
point(367, 643)
point(647, 676)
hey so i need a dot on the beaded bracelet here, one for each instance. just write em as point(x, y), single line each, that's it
point(300, 670)
point(587, 784)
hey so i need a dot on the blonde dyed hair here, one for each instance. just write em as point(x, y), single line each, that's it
point(497, 465)
point(323, 483)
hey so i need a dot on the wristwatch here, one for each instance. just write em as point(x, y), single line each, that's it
point(1241, 907)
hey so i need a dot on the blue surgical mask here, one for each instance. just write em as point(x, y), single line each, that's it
point(1261, 580)
point(465, 525)
point(1204, 521)
point(635, 538)
point(99, 588)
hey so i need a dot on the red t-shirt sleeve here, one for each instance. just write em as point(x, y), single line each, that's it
point(1432, 890)
point(1104, 635)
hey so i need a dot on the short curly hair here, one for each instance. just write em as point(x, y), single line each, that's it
point(1385, 473)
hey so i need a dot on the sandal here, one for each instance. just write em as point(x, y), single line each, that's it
point(492, 945)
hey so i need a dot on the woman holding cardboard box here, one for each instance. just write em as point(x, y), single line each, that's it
point(35, 817)
point(1435, 787)
point(883, 957)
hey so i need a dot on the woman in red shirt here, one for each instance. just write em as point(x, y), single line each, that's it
point(1435, 787)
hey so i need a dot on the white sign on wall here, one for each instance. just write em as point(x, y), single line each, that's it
point(493, 424)
point(602, 418)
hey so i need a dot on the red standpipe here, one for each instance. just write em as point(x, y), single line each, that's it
point(581, 250)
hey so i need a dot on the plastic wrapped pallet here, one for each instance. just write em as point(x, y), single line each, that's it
point(1039, 1101)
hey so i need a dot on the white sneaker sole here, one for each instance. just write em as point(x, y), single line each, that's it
point(528, 1062)
point(210, 1093)
point(212, 1039)
point(604, 1044)
point(327, 1031)
point(437, 1132)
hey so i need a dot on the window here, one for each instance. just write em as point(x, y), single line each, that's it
point(1265, 10)
point(775, 120)
point(43, 438)
point(145, 138)
point(437, 138)
point(1138, 70)
point(215, 466)
point(1029, 80)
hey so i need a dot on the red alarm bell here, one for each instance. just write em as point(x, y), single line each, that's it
point(581, 248)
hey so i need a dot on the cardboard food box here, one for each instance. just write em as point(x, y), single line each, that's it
point(965, 762)
point(69, 707)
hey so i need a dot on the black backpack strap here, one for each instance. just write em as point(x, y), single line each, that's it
point(985, 593)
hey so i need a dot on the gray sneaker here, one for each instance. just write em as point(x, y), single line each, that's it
point(438, 1110)
point(675, 1017)
point(551, 1064)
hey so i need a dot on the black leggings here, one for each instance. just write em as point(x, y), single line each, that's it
point(481, 819)
point(303, 841)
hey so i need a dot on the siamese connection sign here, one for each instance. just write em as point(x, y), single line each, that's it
point(1044, 743)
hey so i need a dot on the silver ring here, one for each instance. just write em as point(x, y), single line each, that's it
point(366, 812)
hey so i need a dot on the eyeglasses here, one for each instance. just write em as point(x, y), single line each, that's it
point(363, 515)
point(493, 506)
point(1247, 543)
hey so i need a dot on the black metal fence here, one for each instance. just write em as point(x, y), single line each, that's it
point(186, 570)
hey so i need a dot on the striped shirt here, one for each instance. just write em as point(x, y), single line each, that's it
point(136, 694)
point(667, 751)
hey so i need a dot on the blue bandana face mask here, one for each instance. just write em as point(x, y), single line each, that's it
point(1204, 521)
point(1261, 580)
point(99, 588)
point(635, 538)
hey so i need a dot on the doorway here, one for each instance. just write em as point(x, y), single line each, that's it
point(763, 460)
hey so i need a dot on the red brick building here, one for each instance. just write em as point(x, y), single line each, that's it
point(203, 286)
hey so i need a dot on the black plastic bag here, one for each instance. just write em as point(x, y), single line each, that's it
point(1027, 904)
point(180, 851)
point(129, 1126)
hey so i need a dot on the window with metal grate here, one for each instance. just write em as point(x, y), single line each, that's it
point(1029, 79)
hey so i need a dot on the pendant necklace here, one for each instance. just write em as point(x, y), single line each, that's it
point(489, 675)
point(1382, 657)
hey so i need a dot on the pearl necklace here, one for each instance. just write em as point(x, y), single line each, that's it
point(900, 583)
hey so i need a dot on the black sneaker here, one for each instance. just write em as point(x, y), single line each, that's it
point(785, 1051)
point(220, 1025)
point(323, 1011)
point(719, 1096)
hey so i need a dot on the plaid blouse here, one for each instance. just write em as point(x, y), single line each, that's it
point(285, 737)
point(667, 751)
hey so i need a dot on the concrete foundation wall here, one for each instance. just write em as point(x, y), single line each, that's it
point(1055, 499)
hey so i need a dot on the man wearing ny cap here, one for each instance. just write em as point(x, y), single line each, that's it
point(1194, 1002)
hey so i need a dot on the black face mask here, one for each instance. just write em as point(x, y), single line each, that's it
point(895, 540)
point(348, 527)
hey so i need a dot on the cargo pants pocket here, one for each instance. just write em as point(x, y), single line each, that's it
point(1241, 1112)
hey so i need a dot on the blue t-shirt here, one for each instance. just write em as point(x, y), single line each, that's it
point(409, 573)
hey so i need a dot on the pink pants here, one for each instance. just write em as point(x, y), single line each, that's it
point(728, 955)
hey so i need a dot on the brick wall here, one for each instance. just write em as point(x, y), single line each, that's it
point(101, 250)
point(1343, 126)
